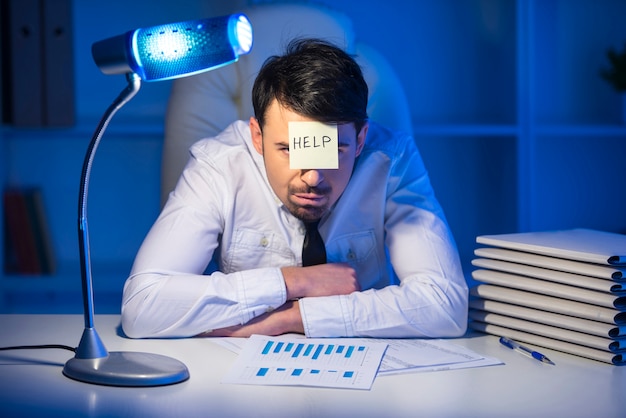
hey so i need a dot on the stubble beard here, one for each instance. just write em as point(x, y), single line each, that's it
point(307, 213)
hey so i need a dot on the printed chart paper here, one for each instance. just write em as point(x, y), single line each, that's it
point(338, 363)
point(403, 355)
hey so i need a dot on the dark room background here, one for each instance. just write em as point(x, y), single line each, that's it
point(517, 128)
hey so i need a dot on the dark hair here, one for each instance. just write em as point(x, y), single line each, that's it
point(316, 79)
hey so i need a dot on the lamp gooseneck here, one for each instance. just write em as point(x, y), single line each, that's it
point(92, 362)
point(134, 83)
point(90, 345)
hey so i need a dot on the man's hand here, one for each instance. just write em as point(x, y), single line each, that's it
point(321, 280)
point(280, 321)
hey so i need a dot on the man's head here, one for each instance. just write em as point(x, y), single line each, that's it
point(313, 81)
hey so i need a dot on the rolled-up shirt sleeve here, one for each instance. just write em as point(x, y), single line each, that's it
point(167, 293)
point(183, 305)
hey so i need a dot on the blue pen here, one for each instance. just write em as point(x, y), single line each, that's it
point(525, 350)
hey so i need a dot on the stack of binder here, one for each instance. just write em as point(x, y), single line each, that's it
point(564, 290)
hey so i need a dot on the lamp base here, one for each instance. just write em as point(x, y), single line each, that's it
point(127, 369)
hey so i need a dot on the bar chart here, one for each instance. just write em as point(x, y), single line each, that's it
point(310, 362)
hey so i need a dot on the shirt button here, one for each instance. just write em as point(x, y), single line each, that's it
point(351, 255)
point(264, 242)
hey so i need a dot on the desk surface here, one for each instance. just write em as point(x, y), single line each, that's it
point(32, 383)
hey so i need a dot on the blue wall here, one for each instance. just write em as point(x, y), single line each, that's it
point(512, 141)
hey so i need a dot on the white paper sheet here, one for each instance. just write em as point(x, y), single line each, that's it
point(337, 363)
point(428, 355)
point(402, 355)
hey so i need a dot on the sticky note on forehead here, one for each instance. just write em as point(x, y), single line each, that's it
point(313, 145)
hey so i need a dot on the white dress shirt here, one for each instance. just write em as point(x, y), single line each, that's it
point(387, 225)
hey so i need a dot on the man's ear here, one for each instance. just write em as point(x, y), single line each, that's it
point(257, 135)
point(360, 138)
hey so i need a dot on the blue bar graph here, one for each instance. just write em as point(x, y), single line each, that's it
point(314, 351)
point(316, 362)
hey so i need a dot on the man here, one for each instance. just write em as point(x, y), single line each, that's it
point(391, 267)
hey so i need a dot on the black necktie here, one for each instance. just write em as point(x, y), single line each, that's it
point(313, 250)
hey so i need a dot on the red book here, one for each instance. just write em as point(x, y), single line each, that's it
point(20, 242)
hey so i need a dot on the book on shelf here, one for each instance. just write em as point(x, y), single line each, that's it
point(20, 256)
point(558, 289)
point(27, 242)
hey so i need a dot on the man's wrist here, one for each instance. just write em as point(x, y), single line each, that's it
point(292, 283)
point(295, 318)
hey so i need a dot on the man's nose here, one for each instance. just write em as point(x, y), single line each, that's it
point(311, 177)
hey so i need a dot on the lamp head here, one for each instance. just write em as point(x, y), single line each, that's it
point(176, 49)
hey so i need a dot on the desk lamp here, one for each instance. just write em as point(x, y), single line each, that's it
point(151, 54)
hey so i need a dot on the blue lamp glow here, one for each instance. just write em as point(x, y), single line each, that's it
point(176, 50)
point(152, 54)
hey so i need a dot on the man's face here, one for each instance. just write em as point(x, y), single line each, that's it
point(307, 193)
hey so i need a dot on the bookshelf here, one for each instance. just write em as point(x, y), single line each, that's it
point(515, 125)
point(123, 202)
point(124, 193)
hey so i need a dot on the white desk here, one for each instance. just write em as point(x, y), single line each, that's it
point(32, 383)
